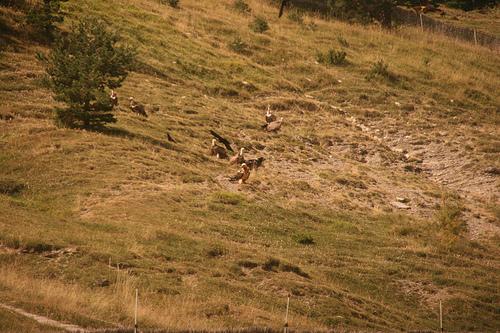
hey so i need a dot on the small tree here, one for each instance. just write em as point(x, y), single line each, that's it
point(81, 66)
point(44, 17)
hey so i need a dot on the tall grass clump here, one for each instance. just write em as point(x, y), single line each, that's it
point(259, 25)
point(332, 58)
point(380, 69)
point(241, 6)
point(449, 218)
point(238, 45)
point(171, 3)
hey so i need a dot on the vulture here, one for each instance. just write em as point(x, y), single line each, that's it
point(114, 98)
point(254, 163)
point(269, 116)
point(238, 158)
point(218, 151)
point(274, 126)
point(242, 175)
point(222, 140)
point(137, 107)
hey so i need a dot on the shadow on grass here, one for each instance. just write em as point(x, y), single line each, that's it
point(123, 133)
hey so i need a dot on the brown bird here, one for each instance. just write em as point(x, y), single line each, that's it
point(238, 158)
point(216, 150)
point(255, 163)
point(114, 98)
point(274, 126)
point(242, 175)
point(137, 107)
point(270, 117)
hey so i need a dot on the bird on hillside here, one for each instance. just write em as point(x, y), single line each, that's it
point(222, 140)
point(238, 158)
point(274, 126)
point(137, 107)
point(270, 117)
point(282, 7)
point(255, 163)
point(170, 138)
point(216, 150)
point(242, 175)
point(114, 98)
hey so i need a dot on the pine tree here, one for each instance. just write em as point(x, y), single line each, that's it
point(45, 16)
point(81, 66)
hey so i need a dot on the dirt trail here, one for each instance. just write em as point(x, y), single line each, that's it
point(447, 165)
point(44, 320)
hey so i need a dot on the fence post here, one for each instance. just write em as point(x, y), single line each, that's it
point(441, 315)
point(135, 312)
point(475, 37)
point(285, 328)
point(422, 21)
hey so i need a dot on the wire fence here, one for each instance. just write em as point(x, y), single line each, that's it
point(403, 16)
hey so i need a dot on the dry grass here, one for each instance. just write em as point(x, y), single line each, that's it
point(168, 217)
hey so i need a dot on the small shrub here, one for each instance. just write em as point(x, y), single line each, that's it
point(171, 3)
point(39, 247)
point(259, 25)
point(216, 251)
point(238, 45)
point(304, 186)
point(11, 187)
point(10, 242)
point(294, 269)
point(305, 240)
point(406, 231)
point(236, 270)
point(241, 6)
point(354, 183)
point(449, 219)
point(332, 58)
point(381, 69)
point(228, 198)
point(342, 41)
point(192, 178)
point(271, 264)
point(247, 264)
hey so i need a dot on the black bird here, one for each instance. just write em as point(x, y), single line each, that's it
point(254, 163)
point(282, 7)
point(170, 138)
point(222, 140)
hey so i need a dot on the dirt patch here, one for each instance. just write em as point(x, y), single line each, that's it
point(44, 320)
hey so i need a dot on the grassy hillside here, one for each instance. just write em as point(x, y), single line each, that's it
point(88, 216)
point(486, 20)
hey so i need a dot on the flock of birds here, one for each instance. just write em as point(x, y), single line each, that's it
point(246, 165)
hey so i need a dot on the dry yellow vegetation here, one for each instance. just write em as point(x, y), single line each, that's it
point(87, 217)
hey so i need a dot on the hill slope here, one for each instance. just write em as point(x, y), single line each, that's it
point(87, 217)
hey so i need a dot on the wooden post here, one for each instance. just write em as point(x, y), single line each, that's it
point(475, 37)
point(135, 312)
point(441, 315)
point(285, 329)
point(422, 21)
